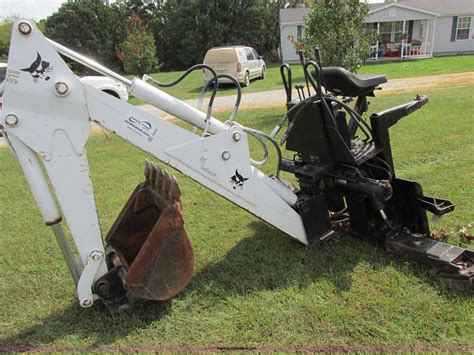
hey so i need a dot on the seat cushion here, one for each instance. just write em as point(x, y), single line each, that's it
point(342, 82)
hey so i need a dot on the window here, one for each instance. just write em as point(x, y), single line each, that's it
point(249, 54)
point(463, 28)
point(256, 55)
point(299, 33)
point(391, 31)
point(397, 31)
point(385, 32)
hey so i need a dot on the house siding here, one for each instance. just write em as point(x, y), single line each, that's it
point(443, 44)
point(398, 14)
point(439, 16)
point(287, 50)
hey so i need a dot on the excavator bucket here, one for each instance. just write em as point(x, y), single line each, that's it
point(148, 239)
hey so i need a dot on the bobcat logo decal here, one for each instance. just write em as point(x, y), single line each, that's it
point(39, 69)
point(238, 180)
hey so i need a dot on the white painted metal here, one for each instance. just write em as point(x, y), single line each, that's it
point(43, 198)
point(201, 159)
point(35, 178)
point(89, 274)
point(56, 127)
point(174, 106)
point(69, 175)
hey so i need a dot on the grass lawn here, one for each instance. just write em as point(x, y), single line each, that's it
point(421, 67)
point(253, 285)
point(191, 87)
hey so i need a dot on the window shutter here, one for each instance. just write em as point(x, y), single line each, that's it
point(454, 28)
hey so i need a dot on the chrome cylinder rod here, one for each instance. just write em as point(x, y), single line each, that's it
point(92, 64)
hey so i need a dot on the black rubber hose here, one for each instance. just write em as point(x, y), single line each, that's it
point(287, 84)
point(237, 101)
point(185, 74)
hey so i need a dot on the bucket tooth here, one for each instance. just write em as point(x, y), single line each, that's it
point(149, 240)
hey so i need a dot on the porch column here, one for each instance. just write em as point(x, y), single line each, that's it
point(403, 40)
point(428, 29)
point(377, 44)
point(433, 37)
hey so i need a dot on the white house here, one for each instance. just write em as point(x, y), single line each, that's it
point(406, 28)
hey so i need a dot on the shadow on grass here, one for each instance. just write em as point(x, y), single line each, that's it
point(271, 260)
point(74, 324)
point(267, 260)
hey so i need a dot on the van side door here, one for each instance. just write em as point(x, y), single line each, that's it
point(252, 63)
point(259, 62)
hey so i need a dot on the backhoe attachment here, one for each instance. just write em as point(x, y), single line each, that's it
point(149, 253)
point(342, 162)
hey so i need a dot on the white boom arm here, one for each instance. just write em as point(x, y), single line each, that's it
point(46, 113)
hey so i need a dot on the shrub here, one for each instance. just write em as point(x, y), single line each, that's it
point(138, 51)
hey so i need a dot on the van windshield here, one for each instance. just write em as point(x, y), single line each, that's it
point(221, 56)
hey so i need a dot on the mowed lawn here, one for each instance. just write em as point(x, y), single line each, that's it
point(253, 285)
point(191, 86)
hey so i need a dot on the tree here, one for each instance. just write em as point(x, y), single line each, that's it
point(337, 28)
point(153, 16)
point(138, 51)
point(190, 27)
point(295, 3)
point(6, 31)
point(5, 34)
point(90, 27)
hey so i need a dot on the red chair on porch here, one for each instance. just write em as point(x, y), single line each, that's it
point(392, 49)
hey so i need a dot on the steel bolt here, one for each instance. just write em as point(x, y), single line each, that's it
point(103, 287)
point(24, 28)
point(11, 120)
point(225, 155)
point(61, 88)
point(96, 255)
point(237, 136)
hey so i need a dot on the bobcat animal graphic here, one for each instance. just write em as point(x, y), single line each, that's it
point(39, 69)
point(238, 180)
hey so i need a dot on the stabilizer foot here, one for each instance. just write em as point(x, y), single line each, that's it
point(451, 264)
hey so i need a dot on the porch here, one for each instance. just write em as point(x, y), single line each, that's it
point(403, 39)
point(403, 32)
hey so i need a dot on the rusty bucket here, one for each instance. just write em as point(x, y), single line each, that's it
point(149, 241)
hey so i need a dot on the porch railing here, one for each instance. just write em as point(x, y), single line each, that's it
point(402, 50)
point(415, 50)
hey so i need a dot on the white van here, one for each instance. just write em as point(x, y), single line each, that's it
point(243, 63)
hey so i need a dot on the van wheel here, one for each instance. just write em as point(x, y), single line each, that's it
point(262, 76)
point(246, 80)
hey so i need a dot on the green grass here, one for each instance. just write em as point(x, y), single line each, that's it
point(253, 285)
point(421, 67)
point(190, 88)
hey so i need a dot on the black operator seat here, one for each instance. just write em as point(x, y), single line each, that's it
point(344, 83)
